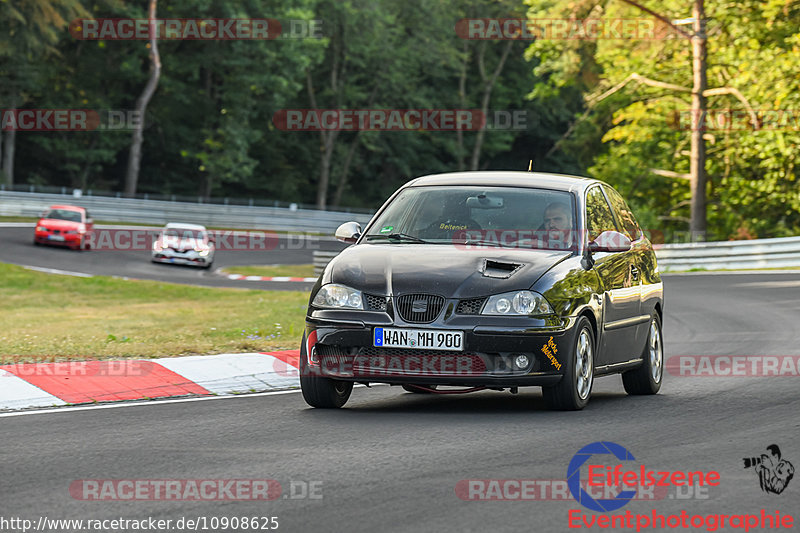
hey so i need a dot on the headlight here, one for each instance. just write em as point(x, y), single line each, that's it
point(41, 228)
point(157, 246)
point(202, 252)
point(517, 303)
point(338, 297)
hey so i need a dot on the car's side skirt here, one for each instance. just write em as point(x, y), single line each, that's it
point(618, 367)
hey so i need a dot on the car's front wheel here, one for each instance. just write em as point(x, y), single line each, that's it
point(573, 391)
point(646, 379)
point(320, 391)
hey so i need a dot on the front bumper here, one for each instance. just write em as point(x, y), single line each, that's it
point(190, 257)
point(58, 239)
point(341, 347)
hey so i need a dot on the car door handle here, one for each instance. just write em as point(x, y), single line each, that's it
point(634, 273)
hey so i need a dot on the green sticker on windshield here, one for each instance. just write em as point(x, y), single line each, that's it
point(387, 229)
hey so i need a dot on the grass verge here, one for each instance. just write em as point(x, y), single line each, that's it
point(49, 317)
point(297, 271)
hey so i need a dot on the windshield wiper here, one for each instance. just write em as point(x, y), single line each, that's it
point(399, 237)
point(479, 242)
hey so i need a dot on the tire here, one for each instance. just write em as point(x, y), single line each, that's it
point(647, 378)
point(415, 390)
point(573, 391)
point(36, 243)
point(321, 392)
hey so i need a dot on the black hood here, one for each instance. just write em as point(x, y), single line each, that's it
point(385, 269)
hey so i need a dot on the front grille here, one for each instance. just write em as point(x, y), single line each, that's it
point(375, 303)
point(419, 308)
point(470, 307)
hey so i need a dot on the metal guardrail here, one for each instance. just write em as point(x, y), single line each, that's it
point(321, 260)
point(730, 255)
point(159, 212)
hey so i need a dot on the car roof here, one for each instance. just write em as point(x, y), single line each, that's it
point(506, 178)
point(178, 225)
point(68, 207)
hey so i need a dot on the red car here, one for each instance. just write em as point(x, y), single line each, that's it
point(65, 225)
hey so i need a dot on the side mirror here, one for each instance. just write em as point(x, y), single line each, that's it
point(348, 232)
point(610, 241)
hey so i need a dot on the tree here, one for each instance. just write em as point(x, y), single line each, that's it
point(34, 27)
point(135, 154)
point(750, 62)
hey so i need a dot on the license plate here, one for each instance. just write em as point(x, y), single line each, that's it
point(428, 339)
point(56, 238)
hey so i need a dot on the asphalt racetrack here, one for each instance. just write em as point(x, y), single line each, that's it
point(391, 461)
point(16, 246)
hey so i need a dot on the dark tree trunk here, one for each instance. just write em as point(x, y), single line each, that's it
point(697, 164)
point(9, 140)
point(135, 154)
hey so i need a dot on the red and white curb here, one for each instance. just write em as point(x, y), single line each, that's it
point(240, 277)
point(27, 385)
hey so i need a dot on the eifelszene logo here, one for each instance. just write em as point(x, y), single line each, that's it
point(599, 475)
point(774, 473)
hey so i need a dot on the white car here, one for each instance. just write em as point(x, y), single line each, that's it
point(184, 244)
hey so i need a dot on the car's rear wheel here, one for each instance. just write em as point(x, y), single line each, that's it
point(418, 390)
point(573, 391)
point(646, 379)
point(320, 391)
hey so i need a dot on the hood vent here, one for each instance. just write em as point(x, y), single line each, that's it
point(499, 269)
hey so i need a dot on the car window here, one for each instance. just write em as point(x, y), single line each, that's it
point(623, 213)
point(446, 214)
point(598, 214)
point(64, 214)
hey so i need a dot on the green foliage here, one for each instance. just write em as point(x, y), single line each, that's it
point(753, 47)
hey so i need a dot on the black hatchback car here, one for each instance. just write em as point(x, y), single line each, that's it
point(488, 280)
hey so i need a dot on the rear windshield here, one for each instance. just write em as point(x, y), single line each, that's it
point(64, 214)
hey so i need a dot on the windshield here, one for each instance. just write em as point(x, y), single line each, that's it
point(494, 216)
point(185, 234)
point(64, 214)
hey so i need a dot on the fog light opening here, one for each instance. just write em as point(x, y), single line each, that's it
point(313, 357)
point(521, 361)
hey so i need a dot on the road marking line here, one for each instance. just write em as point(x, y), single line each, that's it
point(144, 403)
point(57, 271)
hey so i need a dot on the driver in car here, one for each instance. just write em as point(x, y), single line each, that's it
point(557, 226)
